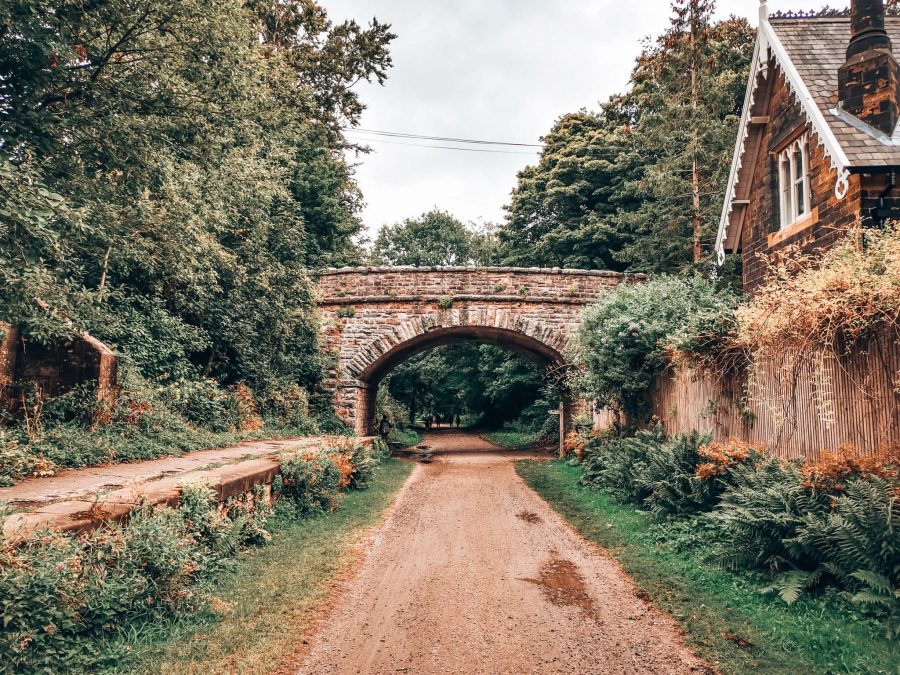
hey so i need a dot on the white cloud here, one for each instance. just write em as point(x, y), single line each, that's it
point(496, 70)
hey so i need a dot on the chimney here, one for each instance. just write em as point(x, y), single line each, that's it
point(869, 80)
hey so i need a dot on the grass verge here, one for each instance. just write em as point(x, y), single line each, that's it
point(406, 438)
point(725, 616)
point(516, 440)
point(262, 605)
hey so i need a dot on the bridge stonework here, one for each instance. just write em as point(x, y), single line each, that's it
point(374, 318)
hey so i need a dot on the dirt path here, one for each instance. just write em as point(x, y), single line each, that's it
point(472, 572)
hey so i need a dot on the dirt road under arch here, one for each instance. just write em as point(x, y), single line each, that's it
point(471, 572)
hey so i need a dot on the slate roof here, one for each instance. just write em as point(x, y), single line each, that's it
point(816, 48)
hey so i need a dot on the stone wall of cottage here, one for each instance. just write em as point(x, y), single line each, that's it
point(763, 218)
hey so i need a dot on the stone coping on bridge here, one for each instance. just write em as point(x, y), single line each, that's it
point(455, 297)
point(328, 271)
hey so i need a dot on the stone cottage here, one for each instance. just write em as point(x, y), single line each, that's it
point(818, 146)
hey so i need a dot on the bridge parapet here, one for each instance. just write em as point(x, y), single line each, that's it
point(486, 284)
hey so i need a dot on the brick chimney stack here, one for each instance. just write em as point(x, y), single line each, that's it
point(869, 80)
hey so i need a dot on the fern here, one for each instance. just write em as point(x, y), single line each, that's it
point(761, 512)
point(670, 478)
point(791, 585)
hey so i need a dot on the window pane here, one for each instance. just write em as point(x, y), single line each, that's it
point(800, 198)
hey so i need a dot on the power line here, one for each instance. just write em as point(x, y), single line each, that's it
point(445, 147)
point(450, 139)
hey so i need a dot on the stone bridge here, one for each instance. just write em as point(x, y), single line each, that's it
point(374, 318)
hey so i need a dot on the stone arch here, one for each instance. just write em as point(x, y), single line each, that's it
point(364, 369)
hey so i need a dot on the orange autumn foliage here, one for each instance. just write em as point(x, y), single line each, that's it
point(722, 456)
point(574, 443)
point(833, 469)
point(343, 461)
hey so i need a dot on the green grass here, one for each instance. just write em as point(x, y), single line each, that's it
point(405, 437)
point(266, 601)
point(516, 440)
point(716, 607)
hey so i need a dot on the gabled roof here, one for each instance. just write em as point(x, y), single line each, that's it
point(809, 51)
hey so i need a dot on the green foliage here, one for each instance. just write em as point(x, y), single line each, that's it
point(563, 209)
point(289, 406)
point(168, 172)
point(433, 239)
point(615, 189)
point(616, 462)
point(669, 476)
point(309, 481)
point(365, 460)
point(623, 339)
point(495, 385)
point(761, 512)
point(389, 408)
point(60, 595)
point(856, 542)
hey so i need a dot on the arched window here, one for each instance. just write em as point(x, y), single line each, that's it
point(793, 181)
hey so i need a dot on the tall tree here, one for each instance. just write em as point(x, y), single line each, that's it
point(563, 209)
point(689, 86)
point(639, 184)
point(174, 168)
point(434, 238)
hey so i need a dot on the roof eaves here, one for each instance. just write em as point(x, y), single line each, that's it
point(739, 147)
point(767, 41)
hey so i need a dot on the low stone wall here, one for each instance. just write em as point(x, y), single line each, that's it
point(86, 515)
point(54, 369)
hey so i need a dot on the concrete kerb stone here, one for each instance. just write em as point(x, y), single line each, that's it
point(85, 515)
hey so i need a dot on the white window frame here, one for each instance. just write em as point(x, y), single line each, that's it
point(793, 181)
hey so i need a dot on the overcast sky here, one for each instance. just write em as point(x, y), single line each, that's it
point(494, 70)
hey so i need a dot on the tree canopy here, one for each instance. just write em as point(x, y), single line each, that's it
point(170, 171)
point(434, 238)
point(636, 184)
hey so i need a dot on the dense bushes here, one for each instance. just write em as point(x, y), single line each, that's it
point(624, 338)
point(63, 597)
point(60, 595)
point(144, 422)
point(804, 524)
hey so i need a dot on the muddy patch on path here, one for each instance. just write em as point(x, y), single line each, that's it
point(529, 517)
point(562, 585)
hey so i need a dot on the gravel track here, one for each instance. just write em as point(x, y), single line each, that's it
point(471, 572)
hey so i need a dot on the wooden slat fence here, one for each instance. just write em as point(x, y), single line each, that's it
point(795, 407)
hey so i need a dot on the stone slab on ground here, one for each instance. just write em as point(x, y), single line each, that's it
point(90, 498)
point(75, 483)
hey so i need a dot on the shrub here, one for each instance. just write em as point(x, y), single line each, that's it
point(203, 403)
point(856, 541)
point(289, 405)
point(623, 339)
point(60, 596)
point(617, 463)
point(669, 477)
point(834, 469)
point(365, 459)
point(849, 292)
point(761, 511)
point(310, 480)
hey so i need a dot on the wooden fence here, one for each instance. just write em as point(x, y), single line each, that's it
point(794, 406)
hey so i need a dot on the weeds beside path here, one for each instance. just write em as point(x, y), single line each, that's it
point(265, 602)
point(726, 617)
